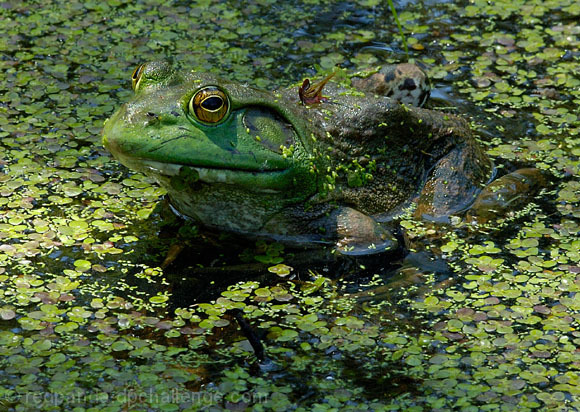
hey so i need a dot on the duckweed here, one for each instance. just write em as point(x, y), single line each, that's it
point(91, 320)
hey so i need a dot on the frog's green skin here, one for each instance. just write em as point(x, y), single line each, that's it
point(273, 167)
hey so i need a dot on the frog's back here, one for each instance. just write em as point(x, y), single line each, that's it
point(399, 152)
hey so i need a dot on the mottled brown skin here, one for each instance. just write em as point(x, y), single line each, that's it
point(419, 153)
point(421, 156)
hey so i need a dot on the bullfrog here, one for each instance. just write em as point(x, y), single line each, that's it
point(331, 165)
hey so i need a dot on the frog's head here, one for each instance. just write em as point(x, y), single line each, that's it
point(194, 129)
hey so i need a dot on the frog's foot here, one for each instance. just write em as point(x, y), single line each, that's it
point(359, 234)
point(509, 192)
point(405, 83)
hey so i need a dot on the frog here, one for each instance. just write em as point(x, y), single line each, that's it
point(331, 166)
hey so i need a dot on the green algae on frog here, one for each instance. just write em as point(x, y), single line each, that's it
point(239, 159)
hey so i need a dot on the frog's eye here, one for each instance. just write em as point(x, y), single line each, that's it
point(209, 105)
point(136, 77)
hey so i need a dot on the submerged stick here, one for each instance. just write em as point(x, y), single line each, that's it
point(248, 333)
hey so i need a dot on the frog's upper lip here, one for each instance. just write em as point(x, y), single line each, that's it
point(172, 169)
point(216, 175)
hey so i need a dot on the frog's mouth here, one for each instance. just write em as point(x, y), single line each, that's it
point(183, 176)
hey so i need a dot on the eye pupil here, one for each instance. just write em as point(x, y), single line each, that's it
point(212, 103)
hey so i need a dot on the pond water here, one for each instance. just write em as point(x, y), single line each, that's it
point(478, 317)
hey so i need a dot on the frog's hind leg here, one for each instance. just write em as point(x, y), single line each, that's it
point(453, 185)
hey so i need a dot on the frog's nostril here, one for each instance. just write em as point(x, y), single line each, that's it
point(152, 119)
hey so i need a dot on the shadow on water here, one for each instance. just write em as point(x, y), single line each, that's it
point(199, 265)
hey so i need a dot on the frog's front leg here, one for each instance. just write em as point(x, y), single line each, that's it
point(352, 232)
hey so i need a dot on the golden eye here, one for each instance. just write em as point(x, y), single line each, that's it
point(136, 77)
point(209, 105)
